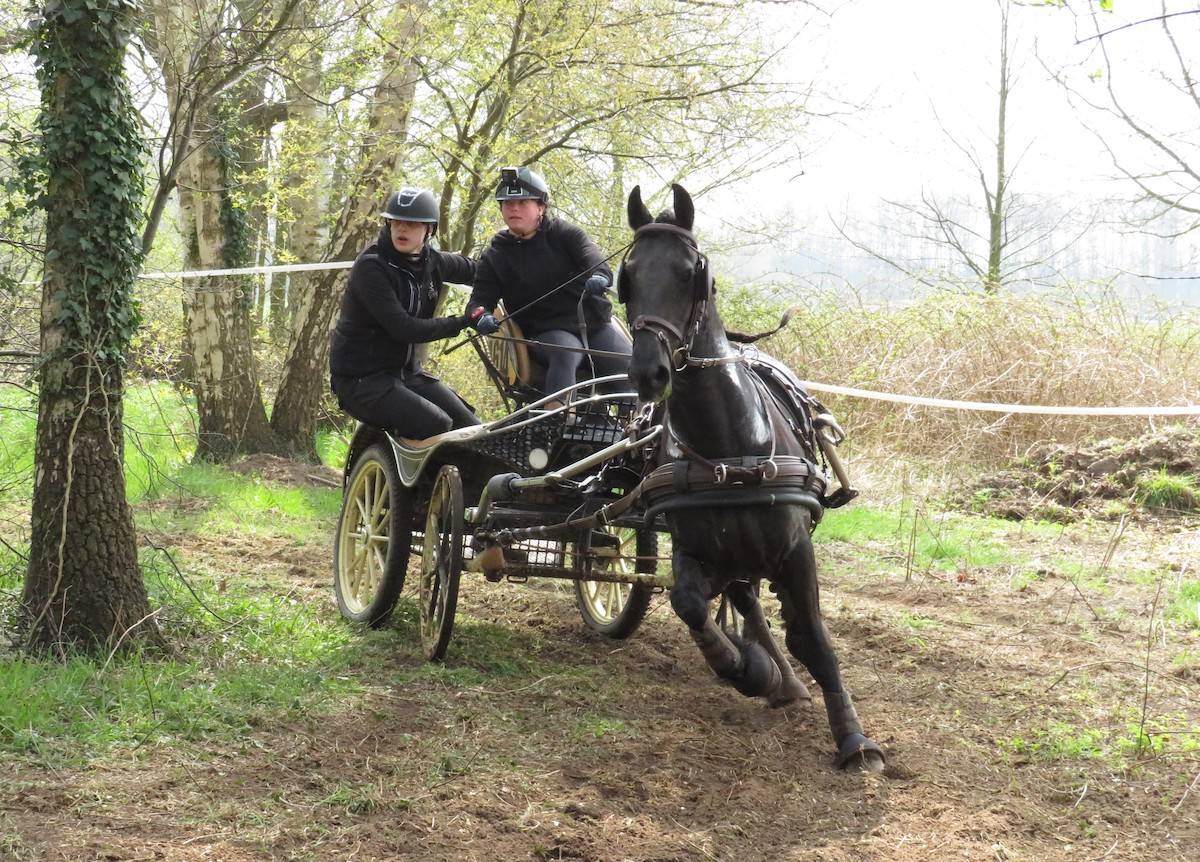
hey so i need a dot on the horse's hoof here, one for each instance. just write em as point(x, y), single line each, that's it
point(857, 752)
point(760, 675)
point(791, 692)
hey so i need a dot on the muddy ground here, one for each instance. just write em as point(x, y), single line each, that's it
point(540, 741)
point(1107, 479)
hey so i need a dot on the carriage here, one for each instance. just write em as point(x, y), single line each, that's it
point(717, 447)
point(539, 493)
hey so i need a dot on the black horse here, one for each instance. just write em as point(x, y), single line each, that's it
point(721, 423)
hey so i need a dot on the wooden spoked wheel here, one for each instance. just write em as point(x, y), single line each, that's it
point(441, 562)
point(613, 609)
point(370, 554)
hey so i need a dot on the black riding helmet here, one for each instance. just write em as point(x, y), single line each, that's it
point(519, 184)
point(410, 204)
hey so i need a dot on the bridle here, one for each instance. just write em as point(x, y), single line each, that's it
point(754, 469)
point(703, 289)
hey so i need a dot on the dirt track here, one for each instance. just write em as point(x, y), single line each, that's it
point(540, 741)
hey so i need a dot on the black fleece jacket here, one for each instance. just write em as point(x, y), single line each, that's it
point(520, 270)
point(387, 307)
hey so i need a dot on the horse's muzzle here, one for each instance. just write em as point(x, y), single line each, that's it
point(649, 370)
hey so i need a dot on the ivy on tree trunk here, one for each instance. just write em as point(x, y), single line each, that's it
point(83, 588)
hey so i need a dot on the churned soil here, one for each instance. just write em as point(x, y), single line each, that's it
point(1009, 711)
point(1106, 479)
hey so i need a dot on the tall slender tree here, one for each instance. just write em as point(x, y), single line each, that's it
point(305, 373)
point(997, 236)
point(83, 587)
point(210, 55)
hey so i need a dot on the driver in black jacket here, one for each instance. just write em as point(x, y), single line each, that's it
point(387, 313)
point(549, 274)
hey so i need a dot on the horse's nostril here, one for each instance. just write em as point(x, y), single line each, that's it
point(662, 375)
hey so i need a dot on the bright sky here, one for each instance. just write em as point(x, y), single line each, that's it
point(925, 71)
point(912, 65)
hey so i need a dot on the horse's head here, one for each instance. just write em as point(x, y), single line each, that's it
point(665, 285)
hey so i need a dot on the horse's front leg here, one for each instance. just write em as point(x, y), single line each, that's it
point(791, 689)
point(745, 666)
point(808, 640)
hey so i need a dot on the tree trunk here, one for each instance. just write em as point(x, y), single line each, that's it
point(998, 211)
point(219, 310)
point(83, 588)
point(232, 418)
point(305, 375)
point(306, 189)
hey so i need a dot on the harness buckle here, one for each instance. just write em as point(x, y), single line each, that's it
point(679, 358)
point(768, 475)
point(721, 474)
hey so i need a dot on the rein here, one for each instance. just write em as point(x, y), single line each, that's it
point(589, 351)
point(476, 336)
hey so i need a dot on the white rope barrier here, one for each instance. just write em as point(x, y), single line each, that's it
point(249, 270)
point(243, 270)
point(915, 400)
point(991, 407)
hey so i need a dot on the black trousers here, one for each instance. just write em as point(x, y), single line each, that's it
point(562, 366)
point(417, 409)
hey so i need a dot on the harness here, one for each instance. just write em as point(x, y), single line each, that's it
point(693, 481)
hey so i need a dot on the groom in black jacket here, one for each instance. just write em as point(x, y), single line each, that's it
point(386, 313)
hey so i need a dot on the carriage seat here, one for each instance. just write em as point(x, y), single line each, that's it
point(511, 358)
point(519, 369)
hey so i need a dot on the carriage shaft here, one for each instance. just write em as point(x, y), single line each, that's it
point(585, 464)
point(662, 582)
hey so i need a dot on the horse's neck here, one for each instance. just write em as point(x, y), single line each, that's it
point(718, 411)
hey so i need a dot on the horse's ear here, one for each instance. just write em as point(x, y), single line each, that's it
point(685, 211)
point(636, 210)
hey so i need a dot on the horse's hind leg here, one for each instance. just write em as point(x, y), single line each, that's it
point(745, 666)
point(808, 640)
point(791, 689)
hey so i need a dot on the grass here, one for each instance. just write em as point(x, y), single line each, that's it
point(249, 653)
point(332, 448)
point(599, 726)
point(1116, 745)
point(208, 500)
point(1185, 605)
point(1163, 490)
point(247, 658)
point(278, 664)
point(945, 542)
point(364, 798)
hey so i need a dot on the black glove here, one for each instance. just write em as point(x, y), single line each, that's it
point(596, 284)
point(484, 323)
